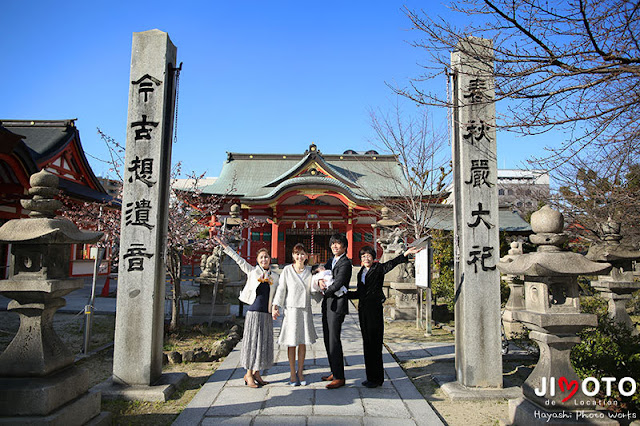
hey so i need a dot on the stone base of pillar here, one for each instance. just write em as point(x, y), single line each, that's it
point(58, 398)
point(160, 391)
point(523, 412)
point(458, 392)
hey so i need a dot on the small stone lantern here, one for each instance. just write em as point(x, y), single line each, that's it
point(552, 313)
point(512, 327)
point(38, 375)
point(616, 287)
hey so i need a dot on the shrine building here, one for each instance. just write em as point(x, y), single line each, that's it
point(305, 198)
point(28, 146)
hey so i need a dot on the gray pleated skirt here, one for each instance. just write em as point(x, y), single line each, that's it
point(257, 341)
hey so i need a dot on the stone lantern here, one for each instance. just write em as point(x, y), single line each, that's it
point(552, 313)
point(616, 287)
point(512, 327)
point(39, 379)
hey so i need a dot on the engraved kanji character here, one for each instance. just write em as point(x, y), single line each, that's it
point(138, 214)
point(135, 256)
point(480, 255)
point(143, 132)
point(142, 170)
point(146, 87)
point(479, 173)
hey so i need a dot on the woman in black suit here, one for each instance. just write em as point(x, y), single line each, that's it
point(369, 292)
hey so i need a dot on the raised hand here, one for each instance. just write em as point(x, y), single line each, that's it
point(219, 240)
point(412, 250)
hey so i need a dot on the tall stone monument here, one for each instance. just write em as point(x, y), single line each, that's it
point(552, 313)
point(476, 244)
point(141, 277)
point(39, 383)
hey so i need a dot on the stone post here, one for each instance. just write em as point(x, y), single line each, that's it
point(616, 287)
point(476, 244)
point(513, 328)
point(39, 382)
point(137, 358)
point(552, 313)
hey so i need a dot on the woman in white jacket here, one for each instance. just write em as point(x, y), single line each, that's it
point(257, 340)
point(294, 294)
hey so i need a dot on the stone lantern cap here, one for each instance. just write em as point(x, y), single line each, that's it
point(42, 227)
point(611, 250)
point(549, 260)
point(235, 219)
point(386, 219)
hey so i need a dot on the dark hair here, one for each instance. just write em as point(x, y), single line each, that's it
point(263, 249)
point(367, 250)
point(339, 238)
point(314, 269)
point(300, 248)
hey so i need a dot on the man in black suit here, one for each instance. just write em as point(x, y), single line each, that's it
point(335, 308)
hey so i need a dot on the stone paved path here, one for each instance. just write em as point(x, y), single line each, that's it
point(225, 400)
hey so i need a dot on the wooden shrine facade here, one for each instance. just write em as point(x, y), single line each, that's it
point(305, 198)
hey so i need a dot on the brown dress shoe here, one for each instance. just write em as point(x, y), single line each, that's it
point(336, 384)
point(328, 378)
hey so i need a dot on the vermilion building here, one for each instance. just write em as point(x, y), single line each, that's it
point(305, 198)
point(28, 146)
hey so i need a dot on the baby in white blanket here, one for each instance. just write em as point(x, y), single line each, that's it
point(320, 274)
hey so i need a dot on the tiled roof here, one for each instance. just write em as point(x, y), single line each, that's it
point(44, 139)
point(508, 220)
point(262, 176)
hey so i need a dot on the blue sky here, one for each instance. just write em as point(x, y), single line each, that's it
point(257, 77)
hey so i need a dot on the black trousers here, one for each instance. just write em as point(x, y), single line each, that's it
point(372, 327)
point(331, 328)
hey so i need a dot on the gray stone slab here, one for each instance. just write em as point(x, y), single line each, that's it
point(345, 401)
point(334, 420)
point(280, 420)
point(387, 421)
point(229, 421)
point(421, 412)
point(77, 412)
point(381, 402)
point(441, 350)
point(238, 401)
point(39, 396)
point(289, 401)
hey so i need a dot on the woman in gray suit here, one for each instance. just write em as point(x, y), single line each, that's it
point(257, 339)
point(294, 295)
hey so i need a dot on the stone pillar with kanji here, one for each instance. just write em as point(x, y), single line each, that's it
point(478, 357)
point(137, 359)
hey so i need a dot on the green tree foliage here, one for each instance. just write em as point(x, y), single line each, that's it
point(608, 350)
point(591, 194)
point(442, 286)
